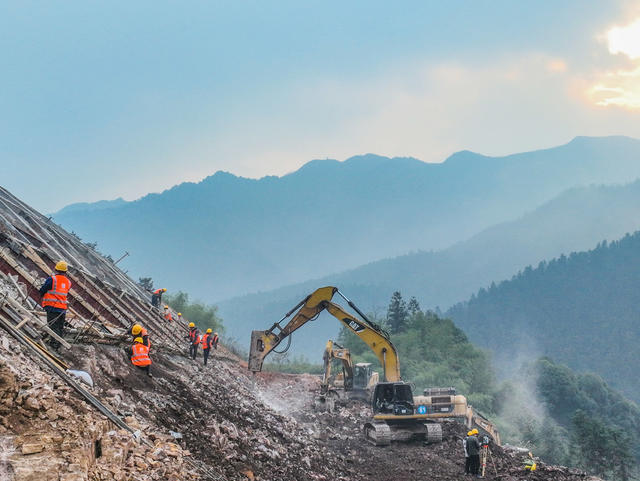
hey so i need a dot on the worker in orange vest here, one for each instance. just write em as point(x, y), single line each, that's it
point(179, 317)
point(208, 340)
point(54, 293)
point(138, 331)
point(194, 340)
point(156, 298)
point(140, 356)
point(167, 314)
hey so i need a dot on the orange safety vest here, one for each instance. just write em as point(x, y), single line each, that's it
point(140, 356)
point(167, 316)
point(57, 295)
point(193, 333)
point(206, 341)
point(157, 291)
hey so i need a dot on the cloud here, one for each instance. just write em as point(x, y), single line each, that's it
point(620, 88)
point(625, 40)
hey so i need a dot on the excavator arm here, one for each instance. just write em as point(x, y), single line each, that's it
point(263, 342)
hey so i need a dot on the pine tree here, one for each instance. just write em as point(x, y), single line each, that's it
point(413, 307)
point(397, 313)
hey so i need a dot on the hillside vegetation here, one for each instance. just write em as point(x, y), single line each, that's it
point(329, 216)
point(580, 309)
point(576, 220)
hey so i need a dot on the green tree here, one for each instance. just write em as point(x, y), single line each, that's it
point(146, 283)
point(397, 313)
point(203, 315)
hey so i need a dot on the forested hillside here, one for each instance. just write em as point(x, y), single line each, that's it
point(250, 235)
point(576, 220)
point(580, 309)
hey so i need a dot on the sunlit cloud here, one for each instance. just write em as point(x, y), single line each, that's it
point(625, 40)
point(621, 88)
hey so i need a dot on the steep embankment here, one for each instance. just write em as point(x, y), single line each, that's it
point(251, 235)
point(581, 310)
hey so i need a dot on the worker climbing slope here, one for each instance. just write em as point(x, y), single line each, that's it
point(167, 314)
point(140, 356)
point(54, 293)
point(156, 297)
point(209, 340)
point(194, 339)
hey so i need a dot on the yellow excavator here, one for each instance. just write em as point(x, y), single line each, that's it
point(355, 380)
point(394, 414)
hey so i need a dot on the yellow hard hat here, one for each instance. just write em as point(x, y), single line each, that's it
point(166, 307)
point(470, 433)
point(138, 339)
point(61, 266)
point(136, 329)
point(474, 431)
point(208, 331)
point(179, 313)
point(191, 324)
point(216, 333)
point(164, 289)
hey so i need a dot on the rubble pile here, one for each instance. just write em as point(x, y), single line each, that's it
point(47, 433)
point(214, 411)
point(341, 432)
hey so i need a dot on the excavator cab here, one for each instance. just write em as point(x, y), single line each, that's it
point(392, 398)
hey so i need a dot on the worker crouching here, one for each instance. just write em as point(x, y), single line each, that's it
point(138, 331)
point(140, 356)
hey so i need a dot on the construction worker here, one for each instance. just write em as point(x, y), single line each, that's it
point(156, 297)
point(140, 356)
point(194, 340)
point(54, 293)
point(473, 449)
point(138, 331)
point(167, 314)
point(215, 340)
point(179, 316)
point(207, 343)
point(467, 459)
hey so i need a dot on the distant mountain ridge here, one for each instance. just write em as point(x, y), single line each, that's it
point(576, 220)
point(230, 235)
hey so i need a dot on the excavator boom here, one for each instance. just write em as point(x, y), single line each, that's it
point(263, 342)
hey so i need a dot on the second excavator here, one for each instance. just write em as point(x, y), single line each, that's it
point(355, 381)
point(395, 417)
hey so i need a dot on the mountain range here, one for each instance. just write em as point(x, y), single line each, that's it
point(228, 236)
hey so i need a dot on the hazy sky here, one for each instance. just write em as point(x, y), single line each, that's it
point(107, 99)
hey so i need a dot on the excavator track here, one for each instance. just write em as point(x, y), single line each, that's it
point(434, 433)
point(378, 434)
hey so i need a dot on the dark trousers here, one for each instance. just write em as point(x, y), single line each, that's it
point(475, 463)
point(55, 320)
point(205, 353)
point(193, 350)
point(467, 465)
point(146, 369)
point(155, 300)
